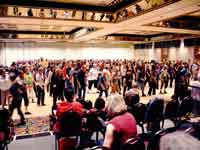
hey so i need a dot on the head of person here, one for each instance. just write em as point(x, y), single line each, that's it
point(69, 95)
point(60, 73)
point(115, 105)
point(40, 70)
point(21, 74)
point(99, 103)
point(12, 76)
point(26, 70)
point(2, 71)
point(84, 68)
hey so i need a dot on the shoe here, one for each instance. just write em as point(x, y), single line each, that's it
point(33, 101)
point(27, 113)
point(143, 95)
point(161, 92)
point(21, 123)
point(165, 92)
point(43, 104)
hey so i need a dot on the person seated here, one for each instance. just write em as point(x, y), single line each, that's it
point(67, 106)
point(99, 105)
point(122, 125)
point(132, 96)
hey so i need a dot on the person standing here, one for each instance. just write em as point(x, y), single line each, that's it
point(92, 77)
point(82, 80)
point(171, 74)
point(140, 79)
point(164, 78)
point(21, 81)
point(28, 77)
point(4, 86)
point(16, 91)
point(103, 84)
point(58, 84)
point(127, 83)
point(40, 83)
point(152, 81)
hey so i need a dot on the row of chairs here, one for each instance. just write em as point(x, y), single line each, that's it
point(151, 114)
point(155, 112)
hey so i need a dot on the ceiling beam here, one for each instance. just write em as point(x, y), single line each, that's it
point(64, 5)
point(52, 22)
point(169, 30)
point(170, 11)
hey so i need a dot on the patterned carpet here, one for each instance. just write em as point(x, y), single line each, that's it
point(33, 125)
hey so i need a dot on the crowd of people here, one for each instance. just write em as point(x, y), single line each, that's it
point(121, 81)
point(81, 75)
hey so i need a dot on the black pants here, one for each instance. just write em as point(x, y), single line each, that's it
point(16, 103)
point(91, 82)
point(127, 87)
point(164, 84)
point(25, 96)
point(171, 81)
point(57, 94)
point(75, 87)
point(40, 95)
point(196, 107)
point(81, 92)
point(152, 88)
point(101, 93)
point(35, 89)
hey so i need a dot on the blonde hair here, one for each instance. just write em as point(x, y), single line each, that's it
point(115, 104)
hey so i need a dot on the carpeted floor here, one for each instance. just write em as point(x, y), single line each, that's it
point(33, 125)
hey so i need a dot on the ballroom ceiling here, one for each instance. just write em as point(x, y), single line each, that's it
point(140, 20)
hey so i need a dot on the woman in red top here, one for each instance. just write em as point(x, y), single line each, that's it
point(122, 126)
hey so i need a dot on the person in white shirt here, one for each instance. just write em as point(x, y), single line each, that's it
point(92, 77)
point(40, 83)
point(4, 86)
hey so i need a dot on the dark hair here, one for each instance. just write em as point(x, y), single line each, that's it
point(99, 103)
point(86, 104)
point(131, 100)
point(69, 95)
point(12, 76)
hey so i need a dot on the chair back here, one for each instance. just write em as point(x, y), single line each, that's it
point(70, 124)
point(135, 143)
point(171, 109)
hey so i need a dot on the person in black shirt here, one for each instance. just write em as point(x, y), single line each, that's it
point(81, 76)
point(16, 90)
point(128, 81)
point(58, 84)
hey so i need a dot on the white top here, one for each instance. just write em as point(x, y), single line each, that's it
point(93, 74)
point(5, 83)
point(40, 81)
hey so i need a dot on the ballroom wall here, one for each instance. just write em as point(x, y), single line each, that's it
point(172, 53)
point(10, 52)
